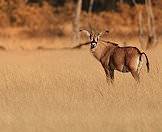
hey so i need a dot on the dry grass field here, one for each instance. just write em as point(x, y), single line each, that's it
point(66, 91)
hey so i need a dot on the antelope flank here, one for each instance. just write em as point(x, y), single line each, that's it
point(113, 57)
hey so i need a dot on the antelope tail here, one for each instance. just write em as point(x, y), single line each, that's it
point(147, 61)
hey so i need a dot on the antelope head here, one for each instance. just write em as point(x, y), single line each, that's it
point(94, 37)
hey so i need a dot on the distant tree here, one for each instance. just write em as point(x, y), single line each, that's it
point(90, 6)
point(152, 37)
point(151, 30)
point(56, 2)
point(40, 2)
point(121, 1)
point(76, 22)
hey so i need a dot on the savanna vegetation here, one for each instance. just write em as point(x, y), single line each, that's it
point(54, 17)
point(46, 86)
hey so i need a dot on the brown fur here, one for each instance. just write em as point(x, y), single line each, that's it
point(123, 59)
point(113, 57)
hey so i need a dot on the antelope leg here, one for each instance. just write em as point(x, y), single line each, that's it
point(109, 75)
point(135, 75)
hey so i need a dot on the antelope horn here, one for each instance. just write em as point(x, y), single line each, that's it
point(102, 33)
point(85, 31)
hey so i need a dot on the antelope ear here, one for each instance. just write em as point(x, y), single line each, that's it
point(86, 32)
point(102, 33)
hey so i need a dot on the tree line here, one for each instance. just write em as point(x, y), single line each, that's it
point(98, 5)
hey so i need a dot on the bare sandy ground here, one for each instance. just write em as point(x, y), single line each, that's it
point(66, 91)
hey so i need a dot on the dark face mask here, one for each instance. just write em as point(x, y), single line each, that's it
point(93, 44)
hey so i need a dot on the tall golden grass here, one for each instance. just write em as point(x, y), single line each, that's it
point(66, 91)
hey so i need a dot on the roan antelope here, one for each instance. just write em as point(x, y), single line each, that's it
point(113, 57)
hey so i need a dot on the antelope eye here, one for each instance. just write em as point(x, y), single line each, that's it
point(91, 38)
point(96, 39)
